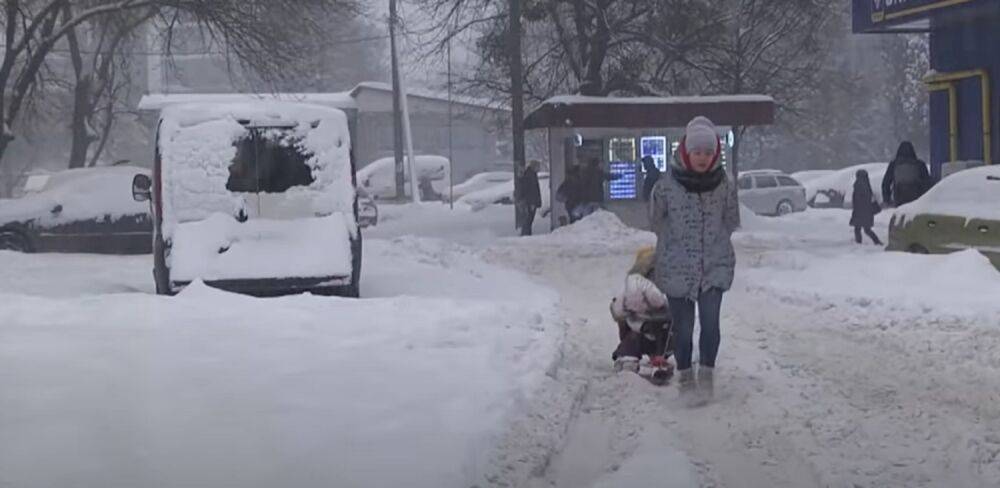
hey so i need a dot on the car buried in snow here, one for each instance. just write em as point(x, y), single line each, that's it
point(256, 198)
point(836, 189)
point(85, 210)
point(956, 214)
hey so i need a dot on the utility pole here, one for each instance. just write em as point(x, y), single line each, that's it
point(397, 113)
point(517, 100)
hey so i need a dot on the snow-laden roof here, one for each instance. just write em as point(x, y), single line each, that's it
point(580, 99)
point(159, 101)
point(650, 112)
point(972, 193)
point(430, 95)
point(345, 100)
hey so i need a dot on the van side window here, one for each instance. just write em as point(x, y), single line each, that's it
point(745, 183)
point(268, 161)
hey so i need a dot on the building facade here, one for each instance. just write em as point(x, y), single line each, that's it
point(965, 67)
point(475, 128)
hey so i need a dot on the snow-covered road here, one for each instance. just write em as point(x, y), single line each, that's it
point(826, 379)
point(840, 366)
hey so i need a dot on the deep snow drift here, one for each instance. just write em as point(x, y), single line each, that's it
point(404, 388)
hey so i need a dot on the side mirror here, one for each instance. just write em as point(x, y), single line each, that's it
point(57, 210)
point(141, 185)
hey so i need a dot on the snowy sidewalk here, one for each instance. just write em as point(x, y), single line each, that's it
point(405, 388)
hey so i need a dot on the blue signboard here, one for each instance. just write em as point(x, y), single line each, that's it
point(874, 14)
point(624, 183)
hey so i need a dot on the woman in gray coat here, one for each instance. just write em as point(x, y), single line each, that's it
point(694, 213)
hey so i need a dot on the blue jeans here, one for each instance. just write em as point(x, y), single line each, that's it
point(709, 309)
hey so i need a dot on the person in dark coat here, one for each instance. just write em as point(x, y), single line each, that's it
point(592, 179)
point(569, 192)
point(652, 176)
point(864, 208)
point(907, 178)
point(531, 197)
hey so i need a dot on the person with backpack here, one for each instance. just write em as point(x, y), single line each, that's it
point(694, 212)
point(864, 208)
point(906, 179)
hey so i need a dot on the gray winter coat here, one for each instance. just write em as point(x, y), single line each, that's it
point(694, 249)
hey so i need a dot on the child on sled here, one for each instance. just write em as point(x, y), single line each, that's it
point(643, 317)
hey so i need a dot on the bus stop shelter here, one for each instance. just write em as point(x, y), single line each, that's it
point(619, 132)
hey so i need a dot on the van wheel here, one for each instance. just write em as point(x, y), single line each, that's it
point(917, 249)
point(14, 241)
point(785, 207)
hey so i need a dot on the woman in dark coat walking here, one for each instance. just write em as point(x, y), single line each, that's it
point(864, 208)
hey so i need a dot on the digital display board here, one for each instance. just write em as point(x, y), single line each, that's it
point(624, 182)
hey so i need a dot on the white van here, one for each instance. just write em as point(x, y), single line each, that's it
point(257, 198)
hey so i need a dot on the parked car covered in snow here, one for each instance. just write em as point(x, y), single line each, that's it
point(256, 198)
point(378, 178)
point(770, 192)
point(86, 210)
point(958, 213)
point(503, 194)
point(481, 181)
point(836, 190)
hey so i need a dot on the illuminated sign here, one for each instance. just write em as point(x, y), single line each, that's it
point(624, 182)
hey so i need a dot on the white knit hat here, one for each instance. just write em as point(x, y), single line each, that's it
point(701, 134)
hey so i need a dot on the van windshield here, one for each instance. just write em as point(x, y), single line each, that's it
point(269, 161)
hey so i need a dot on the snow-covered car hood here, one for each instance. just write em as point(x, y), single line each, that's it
point(972, 193)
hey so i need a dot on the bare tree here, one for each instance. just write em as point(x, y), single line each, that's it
point(763, 46)
point(101, 71)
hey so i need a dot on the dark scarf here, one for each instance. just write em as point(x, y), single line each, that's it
point(699, 182)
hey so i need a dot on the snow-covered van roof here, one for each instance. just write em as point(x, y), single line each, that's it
point(197, 145)
point(160, 101)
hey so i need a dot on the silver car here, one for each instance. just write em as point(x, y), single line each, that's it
point(771, 193)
